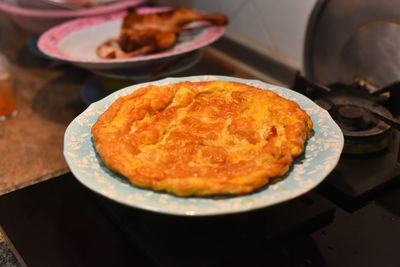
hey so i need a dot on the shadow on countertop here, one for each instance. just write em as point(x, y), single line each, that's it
point(59, 99)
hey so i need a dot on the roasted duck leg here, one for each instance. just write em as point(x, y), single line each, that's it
point(144, 33)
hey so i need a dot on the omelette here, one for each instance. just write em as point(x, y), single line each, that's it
point(201, 138)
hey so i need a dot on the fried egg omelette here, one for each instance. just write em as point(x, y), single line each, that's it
point(201, 138)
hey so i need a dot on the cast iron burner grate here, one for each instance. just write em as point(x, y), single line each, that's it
point(366, 116)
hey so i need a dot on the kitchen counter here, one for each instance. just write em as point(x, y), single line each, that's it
point(50, 219)
point(47, 99)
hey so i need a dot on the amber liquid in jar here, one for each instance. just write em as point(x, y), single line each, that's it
point(7, 96)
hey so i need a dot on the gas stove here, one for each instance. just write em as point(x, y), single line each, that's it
point(367, 118)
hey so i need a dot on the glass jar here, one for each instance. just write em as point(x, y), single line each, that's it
point(8, 106)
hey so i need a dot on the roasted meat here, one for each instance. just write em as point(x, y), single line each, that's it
point(144, 33)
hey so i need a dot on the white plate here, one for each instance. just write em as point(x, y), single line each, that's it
point(321, 155)
point(76, 42)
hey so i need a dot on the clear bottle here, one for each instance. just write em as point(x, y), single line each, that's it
point(8, 105)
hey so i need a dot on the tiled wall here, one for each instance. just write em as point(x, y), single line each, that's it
point(273, 27)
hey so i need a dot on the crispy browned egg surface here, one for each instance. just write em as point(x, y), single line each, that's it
point(201, 138)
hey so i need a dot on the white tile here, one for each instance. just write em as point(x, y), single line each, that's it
point(286, 21)
point(276, 27)
point(247, 26)
point(228, 8)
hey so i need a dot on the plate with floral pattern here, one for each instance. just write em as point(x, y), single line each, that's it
point(322, 153)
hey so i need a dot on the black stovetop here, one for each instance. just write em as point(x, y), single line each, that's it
point(61, 223)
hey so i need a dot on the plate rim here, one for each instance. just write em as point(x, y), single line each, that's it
point(51, 13)
point(241, 209)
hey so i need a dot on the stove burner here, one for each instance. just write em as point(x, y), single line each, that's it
point(365, 122)
point(363, 131)
point(355, 115)
point(371, 154)
point(355, 119)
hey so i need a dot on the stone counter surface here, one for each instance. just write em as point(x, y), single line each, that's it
point(48, 99)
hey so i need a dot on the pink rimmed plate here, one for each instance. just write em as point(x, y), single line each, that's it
point(76, 42)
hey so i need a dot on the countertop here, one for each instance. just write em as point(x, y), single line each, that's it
point(48, 99)
point(36, 188)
